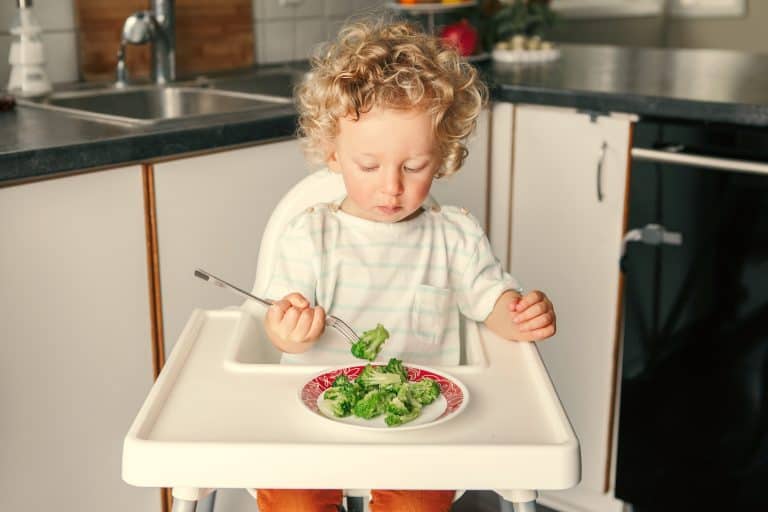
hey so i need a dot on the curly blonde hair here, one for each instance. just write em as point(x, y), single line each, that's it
point(389, 64)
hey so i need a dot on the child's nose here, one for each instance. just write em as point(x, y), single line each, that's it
point(393, 182)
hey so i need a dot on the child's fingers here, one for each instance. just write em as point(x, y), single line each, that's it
point(514, 302)
point(300, 330)
point(530, 312)
point(297, 300)
point(318, 323)
point(538, 322)
point(541, 334)
point(529, 299)
point(288, 323)
point(277, 311)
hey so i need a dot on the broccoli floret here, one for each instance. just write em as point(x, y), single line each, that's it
point(339, 400)
point(370, 343)
point(398, 407)
point(425, 391)
point(403, 407)
point(396, 366)
point(351, 386)
point(373, 404)
point(341, 381)
point(393, 420)
point(375, 376)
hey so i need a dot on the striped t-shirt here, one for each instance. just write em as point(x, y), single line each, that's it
point(415, 277)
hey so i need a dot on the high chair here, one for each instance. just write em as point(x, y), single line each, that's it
point(225, 414)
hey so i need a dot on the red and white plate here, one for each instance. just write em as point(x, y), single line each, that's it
point(453, 398)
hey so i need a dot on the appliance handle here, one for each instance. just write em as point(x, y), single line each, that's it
point(671, 155)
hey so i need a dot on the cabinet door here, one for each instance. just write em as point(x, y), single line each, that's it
point(211, 213)
point(75, 354)
point(468, 188)
point(568, 193)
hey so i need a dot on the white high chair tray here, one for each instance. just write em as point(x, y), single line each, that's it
point(218, 418)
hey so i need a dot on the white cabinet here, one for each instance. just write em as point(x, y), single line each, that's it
point(568, 191)
point(75, 351)
point(211, 213)
point(468, 188)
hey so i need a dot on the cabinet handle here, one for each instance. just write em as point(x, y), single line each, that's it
point(600, 161)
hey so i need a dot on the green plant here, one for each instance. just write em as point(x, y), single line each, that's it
point(517, 17)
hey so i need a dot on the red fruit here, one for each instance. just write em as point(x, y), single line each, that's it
point(462, 36)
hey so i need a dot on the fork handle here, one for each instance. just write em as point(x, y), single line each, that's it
point(205, 276)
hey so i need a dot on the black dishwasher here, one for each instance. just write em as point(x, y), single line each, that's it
point(693, 414)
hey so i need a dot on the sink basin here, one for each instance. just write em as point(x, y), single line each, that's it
point(273, 83)
point(154, 104)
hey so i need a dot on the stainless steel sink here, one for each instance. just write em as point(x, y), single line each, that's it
point(277, 83)
point(155, 104)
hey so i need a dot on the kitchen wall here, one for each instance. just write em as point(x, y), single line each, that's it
point(746, 33)
point(281, 32)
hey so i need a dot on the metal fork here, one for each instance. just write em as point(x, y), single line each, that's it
point(331, 321)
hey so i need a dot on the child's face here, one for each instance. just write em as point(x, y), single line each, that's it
point(388, 159)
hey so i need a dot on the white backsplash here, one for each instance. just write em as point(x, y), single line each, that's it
point(283, 30)
point(290, 29)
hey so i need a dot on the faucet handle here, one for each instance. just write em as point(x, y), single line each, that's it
point(139, 28)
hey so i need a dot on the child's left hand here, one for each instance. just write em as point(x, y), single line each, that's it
point(534, 316)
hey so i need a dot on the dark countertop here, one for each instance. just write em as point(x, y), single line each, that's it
point(35, 143)
point(698, 85)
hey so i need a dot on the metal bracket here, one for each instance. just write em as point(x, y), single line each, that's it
point(594, 114)
point(651, 234)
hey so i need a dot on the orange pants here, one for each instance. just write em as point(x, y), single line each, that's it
point(285, 500)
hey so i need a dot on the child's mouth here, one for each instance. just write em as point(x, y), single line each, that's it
point(389, 210)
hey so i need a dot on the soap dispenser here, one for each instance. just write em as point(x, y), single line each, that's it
point(27, 59)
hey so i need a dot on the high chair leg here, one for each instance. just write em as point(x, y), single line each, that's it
point(356, 504)
point(529, 506)
point(517, 500)
point(184, 505)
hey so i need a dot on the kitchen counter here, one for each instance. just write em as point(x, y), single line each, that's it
point(698, 85)
point(36, 143)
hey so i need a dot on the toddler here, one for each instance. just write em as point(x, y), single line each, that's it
point(389, 108)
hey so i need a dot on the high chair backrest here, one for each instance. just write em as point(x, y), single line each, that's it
point(318, 187)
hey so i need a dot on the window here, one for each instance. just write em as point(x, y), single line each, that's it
point(631, 8)
point(707, 8)
point(607, 8)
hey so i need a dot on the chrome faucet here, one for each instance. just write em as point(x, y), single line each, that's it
point(157, 26)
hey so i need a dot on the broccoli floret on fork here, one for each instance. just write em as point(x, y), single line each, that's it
point(370, 343)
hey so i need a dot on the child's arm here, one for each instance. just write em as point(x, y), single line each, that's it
point(292, 326)
point(523, 318)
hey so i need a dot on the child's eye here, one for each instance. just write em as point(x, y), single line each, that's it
point(414, 169)
point(368, 169)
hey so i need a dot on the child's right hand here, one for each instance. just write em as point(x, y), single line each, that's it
point(292, 325)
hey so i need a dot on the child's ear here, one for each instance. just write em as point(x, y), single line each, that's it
point(333, 161)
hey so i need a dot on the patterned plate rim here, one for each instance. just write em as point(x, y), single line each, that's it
point(455, 392)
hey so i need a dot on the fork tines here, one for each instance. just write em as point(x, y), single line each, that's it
point(344, 329)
